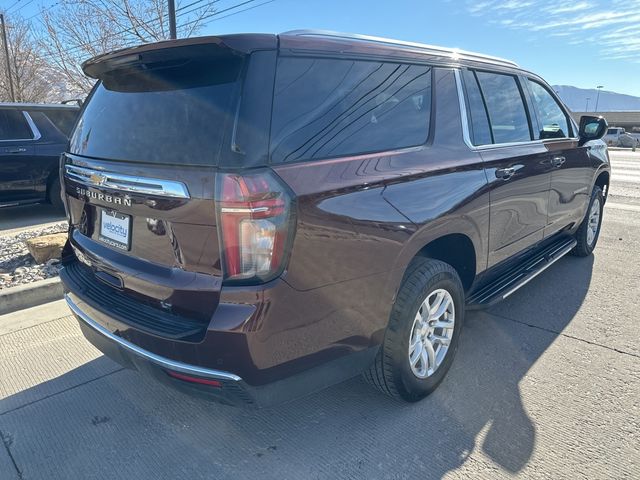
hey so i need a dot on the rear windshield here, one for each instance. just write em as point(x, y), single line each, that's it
point(173, 113)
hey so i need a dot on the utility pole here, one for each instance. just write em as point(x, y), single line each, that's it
point(598, 96)
point(6, 55)
point(587, 107)
point(172, 20)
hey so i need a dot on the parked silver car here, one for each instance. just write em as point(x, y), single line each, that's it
point(618, 137)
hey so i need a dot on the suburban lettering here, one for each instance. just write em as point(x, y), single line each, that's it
point(89, 194)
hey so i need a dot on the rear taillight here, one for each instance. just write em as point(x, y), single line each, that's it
point(254, 212)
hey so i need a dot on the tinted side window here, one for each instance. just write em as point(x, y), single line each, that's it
point(478, 120)
point(63, 119)
point(553, 121)
point(507, 113)
point(326, 107)
point(13, 126)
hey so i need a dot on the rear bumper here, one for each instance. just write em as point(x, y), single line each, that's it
point(219, 385)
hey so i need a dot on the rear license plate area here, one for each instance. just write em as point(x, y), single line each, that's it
point(115, 229)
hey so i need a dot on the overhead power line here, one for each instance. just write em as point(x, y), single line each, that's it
point(20, 7)
point(156, 21)
point(230, 14)
point(149, 23)
point(12, 5)
point(38, 13)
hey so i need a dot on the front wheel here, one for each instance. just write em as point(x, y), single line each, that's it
point(422, 336)
point(589, 230)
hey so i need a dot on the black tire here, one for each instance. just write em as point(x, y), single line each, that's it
point(391, 371)
point(55, 195)
point(584, 247)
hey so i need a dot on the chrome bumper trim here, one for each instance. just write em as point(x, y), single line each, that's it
point(151, 357)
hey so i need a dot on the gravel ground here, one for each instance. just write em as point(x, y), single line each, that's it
point(17, 266)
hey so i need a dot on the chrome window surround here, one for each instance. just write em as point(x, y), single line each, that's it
point(127, 183)
point(162, 362)
point(34, 131)
point(465, 125)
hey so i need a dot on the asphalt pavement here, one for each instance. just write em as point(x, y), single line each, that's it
point(16, 219)
point(545, 385)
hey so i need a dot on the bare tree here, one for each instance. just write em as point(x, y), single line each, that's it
point(80, 29)
point(30, 71)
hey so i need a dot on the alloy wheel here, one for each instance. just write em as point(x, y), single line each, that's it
point(431, 333)
point(593, 222)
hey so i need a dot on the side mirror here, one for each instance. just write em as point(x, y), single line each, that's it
point(591, 128)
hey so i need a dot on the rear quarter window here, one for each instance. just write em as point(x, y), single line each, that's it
point(334, 107)
point(63, 119)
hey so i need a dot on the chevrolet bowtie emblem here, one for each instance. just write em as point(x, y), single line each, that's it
point(98, 178)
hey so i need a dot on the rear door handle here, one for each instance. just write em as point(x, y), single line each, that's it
point(505, 173)
point(558, 161)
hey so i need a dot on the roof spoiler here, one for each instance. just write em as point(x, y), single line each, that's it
point(167, 50)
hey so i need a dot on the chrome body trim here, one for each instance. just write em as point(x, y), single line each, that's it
point(127, 183)
point(463, 110)
point(244, 210)
point(36, 133)
point(162, 362)
point(555, 258)
point(452, 53)
point(35, 106)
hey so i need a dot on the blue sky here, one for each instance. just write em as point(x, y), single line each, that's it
point(580, 43)
point(583, 43)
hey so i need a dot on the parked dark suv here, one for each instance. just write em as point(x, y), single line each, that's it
point(32, 137)
point(254, 217)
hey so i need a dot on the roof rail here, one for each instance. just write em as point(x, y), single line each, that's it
point(454, 53)
point(36, 106)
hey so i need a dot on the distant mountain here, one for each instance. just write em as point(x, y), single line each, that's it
point(576, 99)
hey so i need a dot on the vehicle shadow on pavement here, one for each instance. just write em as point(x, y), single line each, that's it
point(124, 426)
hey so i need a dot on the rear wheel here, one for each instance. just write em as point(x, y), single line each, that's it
point(589, 230)
point(422, 336)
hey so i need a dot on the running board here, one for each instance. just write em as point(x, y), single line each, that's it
point(503, 286)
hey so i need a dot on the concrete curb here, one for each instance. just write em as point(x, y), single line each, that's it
point(30, 295)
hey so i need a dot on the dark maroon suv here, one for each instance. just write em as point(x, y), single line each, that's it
point(254, 217)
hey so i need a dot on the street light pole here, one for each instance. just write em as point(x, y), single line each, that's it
point(172, 20)
point(6, 55)
point(587, 107)
point(598, 96)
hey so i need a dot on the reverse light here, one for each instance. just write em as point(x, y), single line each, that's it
point(254, 212)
